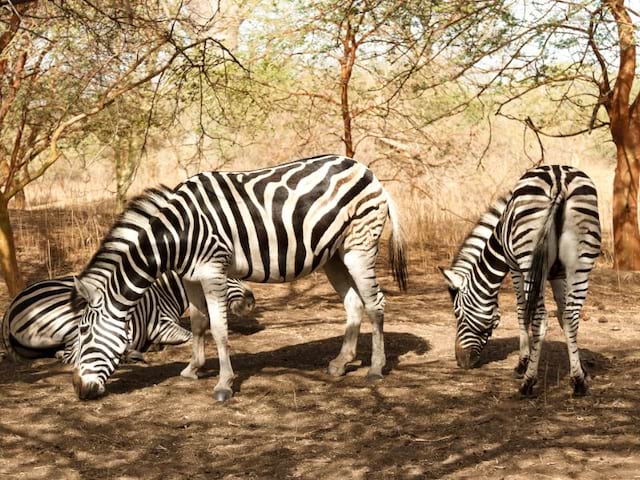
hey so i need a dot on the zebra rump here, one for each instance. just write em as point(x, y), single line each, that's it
point(42, 322)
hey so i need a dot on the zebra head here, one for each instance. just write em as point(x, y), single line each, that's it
point(475, 319)
point(102, 340)
point(240, 298)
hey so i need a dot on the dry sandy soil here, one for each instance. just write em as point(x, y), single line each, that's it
point(289, 419)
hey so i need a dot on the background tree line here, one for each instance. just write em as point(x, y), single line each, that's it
point(116, 77)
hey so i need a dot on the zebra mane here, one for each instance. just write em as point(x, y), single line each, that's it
point(138, 210)
point(473, 244)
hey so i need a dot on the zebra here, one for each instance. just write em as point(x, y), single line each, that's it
point(271, 225)
point(547, 227)
point(40, 321)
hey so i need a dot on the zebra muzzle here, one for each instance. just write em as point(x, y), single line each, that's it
point(466, 358)
point(86, 390)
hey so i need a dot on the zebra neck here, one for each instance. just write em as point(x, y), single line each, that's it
point(130, 261)
point(485, 275)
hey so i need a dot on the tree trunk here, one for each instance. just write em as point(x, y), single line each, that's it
point(8, 259)
point(20, 200)
point(624, 125)
point(626, 236)
point(346, 69)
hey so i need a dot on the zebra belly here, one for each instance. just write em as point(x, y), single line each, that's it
point(275, 275)
point(266, 264)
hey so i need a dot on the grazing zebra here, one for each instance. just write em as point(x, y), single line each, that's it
point(271, 225)
point(41, 322)
point(547, 228)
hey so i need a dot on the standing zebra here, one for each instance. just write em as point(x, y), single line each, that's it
point(41, 322)
point(271, 225)
point(547, 228)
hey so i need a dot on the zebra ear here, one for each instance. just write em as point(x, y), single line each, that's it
point(83, 290)
point(453, 279)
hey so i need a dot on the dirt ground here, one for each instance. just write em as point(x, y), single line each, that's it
point(289, 419)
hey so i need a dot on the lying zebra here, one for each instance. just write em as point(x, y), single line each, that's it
point(40, 322)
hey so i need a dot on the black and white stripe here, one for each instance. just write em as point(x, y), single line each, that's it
point(271, 225)
point(548, 227)
point(40, 321)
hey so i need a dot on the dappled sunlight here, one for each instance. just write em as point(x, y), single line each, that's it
point(288, 417)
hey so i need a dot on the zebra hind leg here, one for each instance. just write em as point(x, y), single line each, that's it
point(361, 266)
point(538, 331)
point(342, 282)
point(575, 297)
point(524, 354)
point(569, 324)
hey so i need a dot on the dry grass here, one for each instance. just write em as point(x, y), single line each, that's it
point(441, 185)
point(56, 241)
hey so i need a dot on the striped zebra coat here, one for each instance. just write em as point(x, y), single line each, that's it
point(40, 321)
point(271, 225)
point(547, 228)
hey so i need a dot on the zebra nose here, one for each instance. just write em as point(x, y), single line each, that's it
point(86, 390)
point(466, 358)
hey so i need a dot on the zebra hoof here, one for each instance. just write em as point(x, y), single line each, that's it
point(526, 390)
point(222, 395)
point(374, 376)
point(336, 370)
point(188, 372)
point(580, 387)
point(521, 368)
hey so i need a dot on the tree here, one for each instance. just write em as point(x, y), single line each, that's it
point(62, 63)
point(584, 55)
point(368, 62)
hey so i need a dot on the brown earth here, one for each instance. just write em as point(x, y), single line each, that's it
point(289, 419)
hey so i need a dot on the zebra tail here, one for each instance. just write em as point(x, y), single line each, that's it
point(6, 341)
point(397, 247)
point(539, 262)
point(14, 352)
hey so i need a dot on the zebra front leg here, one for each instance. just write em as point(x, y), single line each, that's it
point(215, 293)
point(341, 280)
point(538, 331)
point(199, 324)
point(361, 267)
point(525, 351)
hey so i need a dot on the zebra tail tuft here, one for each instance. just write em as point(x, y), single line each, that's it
point(539, 262)
point(397, 248)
